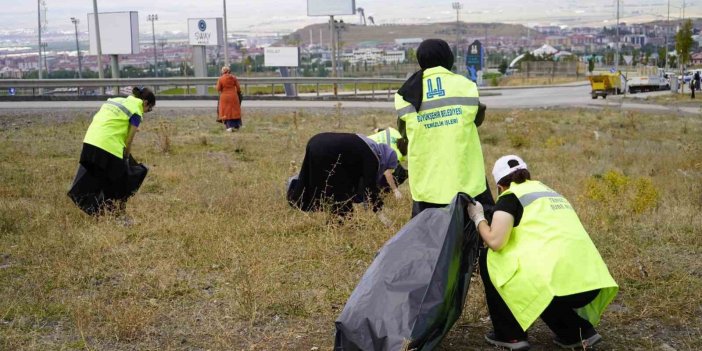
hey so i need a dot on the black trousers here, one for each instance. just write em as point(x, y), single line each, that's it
point(559, 316)
point(485, 198)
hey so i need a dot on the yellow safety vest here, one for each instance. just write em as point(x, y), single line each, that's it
point(110, 124)
point(443, 155)
point(549, 254)
point(389, 136)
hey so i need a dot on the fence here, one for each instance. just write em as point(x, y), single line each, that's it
point(179, 87)
point(551, 69)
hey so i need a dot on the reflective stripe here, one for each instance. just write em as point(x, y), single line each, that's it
point(405, 110)
point(429, 105)
point(387, 137)
point(121, 107)
point(527, 199)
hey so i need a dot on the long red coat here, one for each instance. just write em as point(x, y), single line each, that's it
point(229, 104)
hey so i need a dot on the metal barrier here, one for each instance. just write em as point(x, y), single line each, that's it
point(250, 85)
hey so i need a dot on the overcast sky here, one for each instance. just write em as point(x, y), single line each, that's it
point(288, 15)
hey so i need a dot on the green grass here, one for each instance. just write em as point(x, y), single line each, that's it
point(218, 260)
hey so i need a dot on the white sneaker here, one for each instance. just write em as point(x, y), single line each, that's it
point(229, 130)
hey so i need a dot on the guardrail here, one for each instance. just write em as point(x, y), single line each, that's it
point(40, 86)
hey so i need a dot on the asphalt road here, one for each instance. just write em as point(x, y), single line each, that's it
point(566, 96)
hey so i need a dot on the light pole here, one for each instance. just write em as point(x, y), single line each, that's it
point(226, 43)
point(39, 45)
point(457, 6)
point(153, 18)
point(162, 43)
point(80, 63)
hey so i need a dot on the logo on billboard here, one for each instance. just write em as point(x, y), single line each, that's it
point(12, 91)
point(474, 49)
point(202, 25)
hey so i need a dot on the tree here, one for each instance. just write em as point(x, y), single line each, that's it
point(591, 64)
point(683, 42)
point(503, 67)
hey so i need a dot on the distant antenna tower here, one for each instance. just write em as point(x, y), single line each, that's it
point(44, 17)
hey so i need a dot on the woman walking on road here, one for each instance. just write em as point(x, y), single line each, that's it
point(229, 111)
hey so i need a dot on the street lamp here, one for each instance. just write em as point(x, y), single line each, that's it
point(457, 6)
point(153, 18)
point(80, 64)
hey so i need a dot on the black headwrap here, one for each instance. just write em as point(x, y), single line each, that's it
point(430, 53)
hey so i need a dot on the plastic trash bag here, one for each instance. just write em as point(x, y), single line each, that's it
point(415, 289)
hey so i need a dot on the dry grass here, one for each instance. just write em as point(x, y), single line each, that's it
point(672, 99)
point(217, 259)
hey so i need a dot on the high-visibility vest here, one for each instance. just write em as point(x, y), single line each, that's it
point(110, 124)
point(548, 254)
point(443, 155)
point(389, 136)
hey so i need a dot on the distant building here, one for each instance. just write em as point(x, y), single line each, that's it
point(374, 56)
point(408, 42)
point(696, 59)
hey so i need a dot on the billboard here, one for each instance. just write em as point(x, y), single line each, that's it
point(331, 7)
point(119, 33)
point(281, 56)
point(205, 31)
point(475, 60)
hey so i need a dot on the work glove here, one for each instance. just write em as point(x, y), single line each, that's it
point(398, 194)
point(475, 212)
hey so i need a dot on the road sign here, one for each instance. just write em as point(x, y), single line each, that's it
point(11, 91)
point(474, 59)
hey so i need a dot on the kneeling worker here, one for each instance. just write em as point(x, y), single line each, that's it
point(540, 262)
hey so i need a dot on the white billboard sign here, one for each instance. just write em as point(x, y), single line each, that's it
point(331, 7)
point(205, 31)
point(119, 33)
point(281, 56)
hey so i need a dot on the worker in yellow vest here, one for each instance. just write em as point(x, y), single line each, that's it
point(540, 262)
point(390, 136)
point(107, 177)
point(438, 116)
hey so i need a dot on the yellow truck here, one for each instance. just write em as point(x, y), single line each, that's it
point(604, 84)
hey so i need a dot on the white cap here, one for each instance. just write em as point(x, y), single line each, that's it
point(502, 167)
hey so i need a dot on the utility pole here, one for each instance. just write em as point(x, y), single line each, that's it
point(162, 43)
point(332, 45)
point(40, 70)
point(80, 63)
point(616, 58)
point(226, 43)
point(667, 28)
point(153, 18)
point(457, 6)
point(101, 74)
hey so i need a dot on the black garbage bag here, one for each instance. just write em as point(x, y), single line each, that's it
point(416, 287)
point(91, 192)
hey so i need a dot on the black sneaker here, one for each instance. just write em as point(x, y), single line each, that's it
point(580, 344)
point(514, 345)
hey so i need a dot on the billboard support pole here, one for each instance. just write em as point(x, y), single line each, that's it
point(114, 63)
point(101, 74)
point(200, 66)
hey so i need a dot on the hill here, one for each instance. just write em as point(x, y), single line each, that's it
point(370, 36)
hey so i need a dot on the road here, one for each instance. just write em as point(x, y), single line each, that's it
point(566, 96)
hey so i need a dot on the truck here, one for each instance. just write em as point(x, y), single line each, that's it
point(603, 84)
point(646, 79)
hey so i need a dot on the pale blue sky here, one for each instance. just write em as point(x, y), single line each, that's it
point(286, 15)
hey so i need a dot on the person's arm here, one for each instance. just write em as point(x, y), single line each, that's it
point(219, 85)
point(130, 138)
point(495, 235)
point(393, 185)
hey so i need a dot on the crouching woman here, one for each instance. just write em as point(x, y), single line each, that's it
point(108, 175)
point(540, 262)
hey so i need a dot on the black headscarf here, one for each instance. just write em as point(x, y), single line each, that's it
point(430, 53)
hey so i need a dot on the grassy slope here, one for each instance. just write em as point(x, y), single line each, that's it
point(219, 261)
